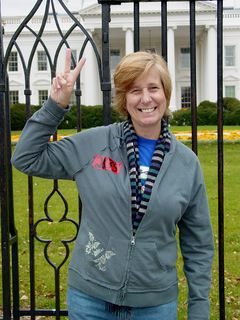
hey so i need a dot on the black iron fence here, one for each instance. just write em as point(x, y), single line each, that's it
point(11, 307)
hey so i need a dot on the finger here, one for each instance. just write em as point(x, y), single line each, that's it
point(57, 84)
point(54, 84)
point(67, 68)
point(78, 68)
point(61, 81)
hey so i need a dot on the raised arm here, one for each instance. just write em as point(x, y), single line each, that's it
point(34, 154)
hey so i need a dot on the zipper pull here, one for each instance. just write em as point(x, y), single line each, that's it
point(133, 241)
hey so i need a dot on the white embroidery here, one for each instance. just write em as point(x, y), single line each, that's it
point(92, 248)
point(101, 261)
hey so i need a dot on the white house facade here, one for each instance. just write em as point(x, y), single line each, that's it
point(121, 43)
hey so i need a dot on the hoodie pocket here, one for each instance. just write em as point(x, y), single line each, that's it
point(101, 263)
point(148, 271)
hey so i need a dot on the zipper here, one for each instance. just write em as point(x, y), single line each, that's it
point(133, 241)
point(124, 287)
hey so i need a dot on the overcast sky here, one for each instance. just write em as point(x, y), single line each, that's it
point(22, 7)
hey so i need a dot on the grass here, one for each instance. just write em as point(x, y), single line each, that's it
point(208, 158)
point(201, 128)
point(45, 273)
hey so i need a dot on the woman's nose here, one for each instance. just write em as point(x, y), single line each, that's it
point(146, 96)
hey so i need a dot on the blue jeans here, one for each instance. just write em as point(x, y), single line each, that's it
point(84, 307)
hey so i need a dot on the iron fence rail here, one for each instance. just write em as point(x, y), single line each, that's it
point(221, 263)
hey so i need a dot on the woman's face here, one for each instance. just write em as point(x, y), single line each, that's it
point(146, 104)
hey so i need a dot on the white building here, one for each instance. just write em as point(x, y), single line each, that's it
point(121, 42)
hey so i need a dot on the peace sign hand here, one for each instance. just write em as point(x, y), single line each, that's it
point(62, 84)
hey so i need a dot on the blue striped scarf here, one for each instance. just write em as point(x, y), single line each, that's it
point(140, 199)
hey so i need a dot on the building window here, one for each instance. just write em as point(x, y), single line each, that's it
point(13, 97)
point(186, 97)
point(42, 60)
point(230, 91)
point(42, 96)
point(73, 59)
point(13, 61)
point(185, 58)
point(114, 58)
point(229, 56)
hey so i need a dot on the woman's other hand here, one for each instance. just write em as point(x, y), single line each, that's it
point(62, 84)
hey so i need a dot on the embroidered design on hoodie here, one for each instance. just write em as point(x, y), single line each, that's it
point(93, 248)
point(105, 163)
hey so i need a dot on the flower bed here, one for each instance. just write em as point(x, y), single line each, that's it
point(206, 135)
point(233, 135)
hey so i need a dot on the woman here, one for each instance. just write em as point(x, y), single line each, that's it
point(137, 184)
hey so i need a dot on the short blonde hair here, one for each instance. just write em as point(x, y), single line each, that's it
point(130, 68)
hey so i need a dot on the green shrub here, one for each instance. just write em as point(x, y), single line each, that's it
point(231, 104)
point(116, 116)
point(181, 117)
point(92, 116)
point(207, 113)
point(231, 111)
point(18, 115)
point(232, 118)
point(70, 119)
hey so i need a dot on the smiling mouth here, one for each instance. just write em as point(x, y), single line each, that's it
point(148, 110)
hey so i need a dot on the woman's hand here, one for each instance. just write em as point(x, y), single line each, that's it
point(62, 84)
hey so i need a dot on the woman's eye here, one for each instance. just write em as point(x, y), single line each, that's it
point(153, 88)
point(135, 91)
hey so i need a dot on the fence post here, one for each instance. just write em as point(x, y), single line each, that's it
point(106, 84)
point(4, 203)
point(220, 159)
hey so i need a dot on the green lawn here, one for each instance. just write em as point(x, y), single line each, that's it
point(202, 128)
point(57, 231)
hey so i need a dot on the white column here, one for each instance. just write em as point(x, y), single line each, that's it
point(128, 40)
point(171, 65)
point(211, 64)
point(91, 87)
point(201, 71)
